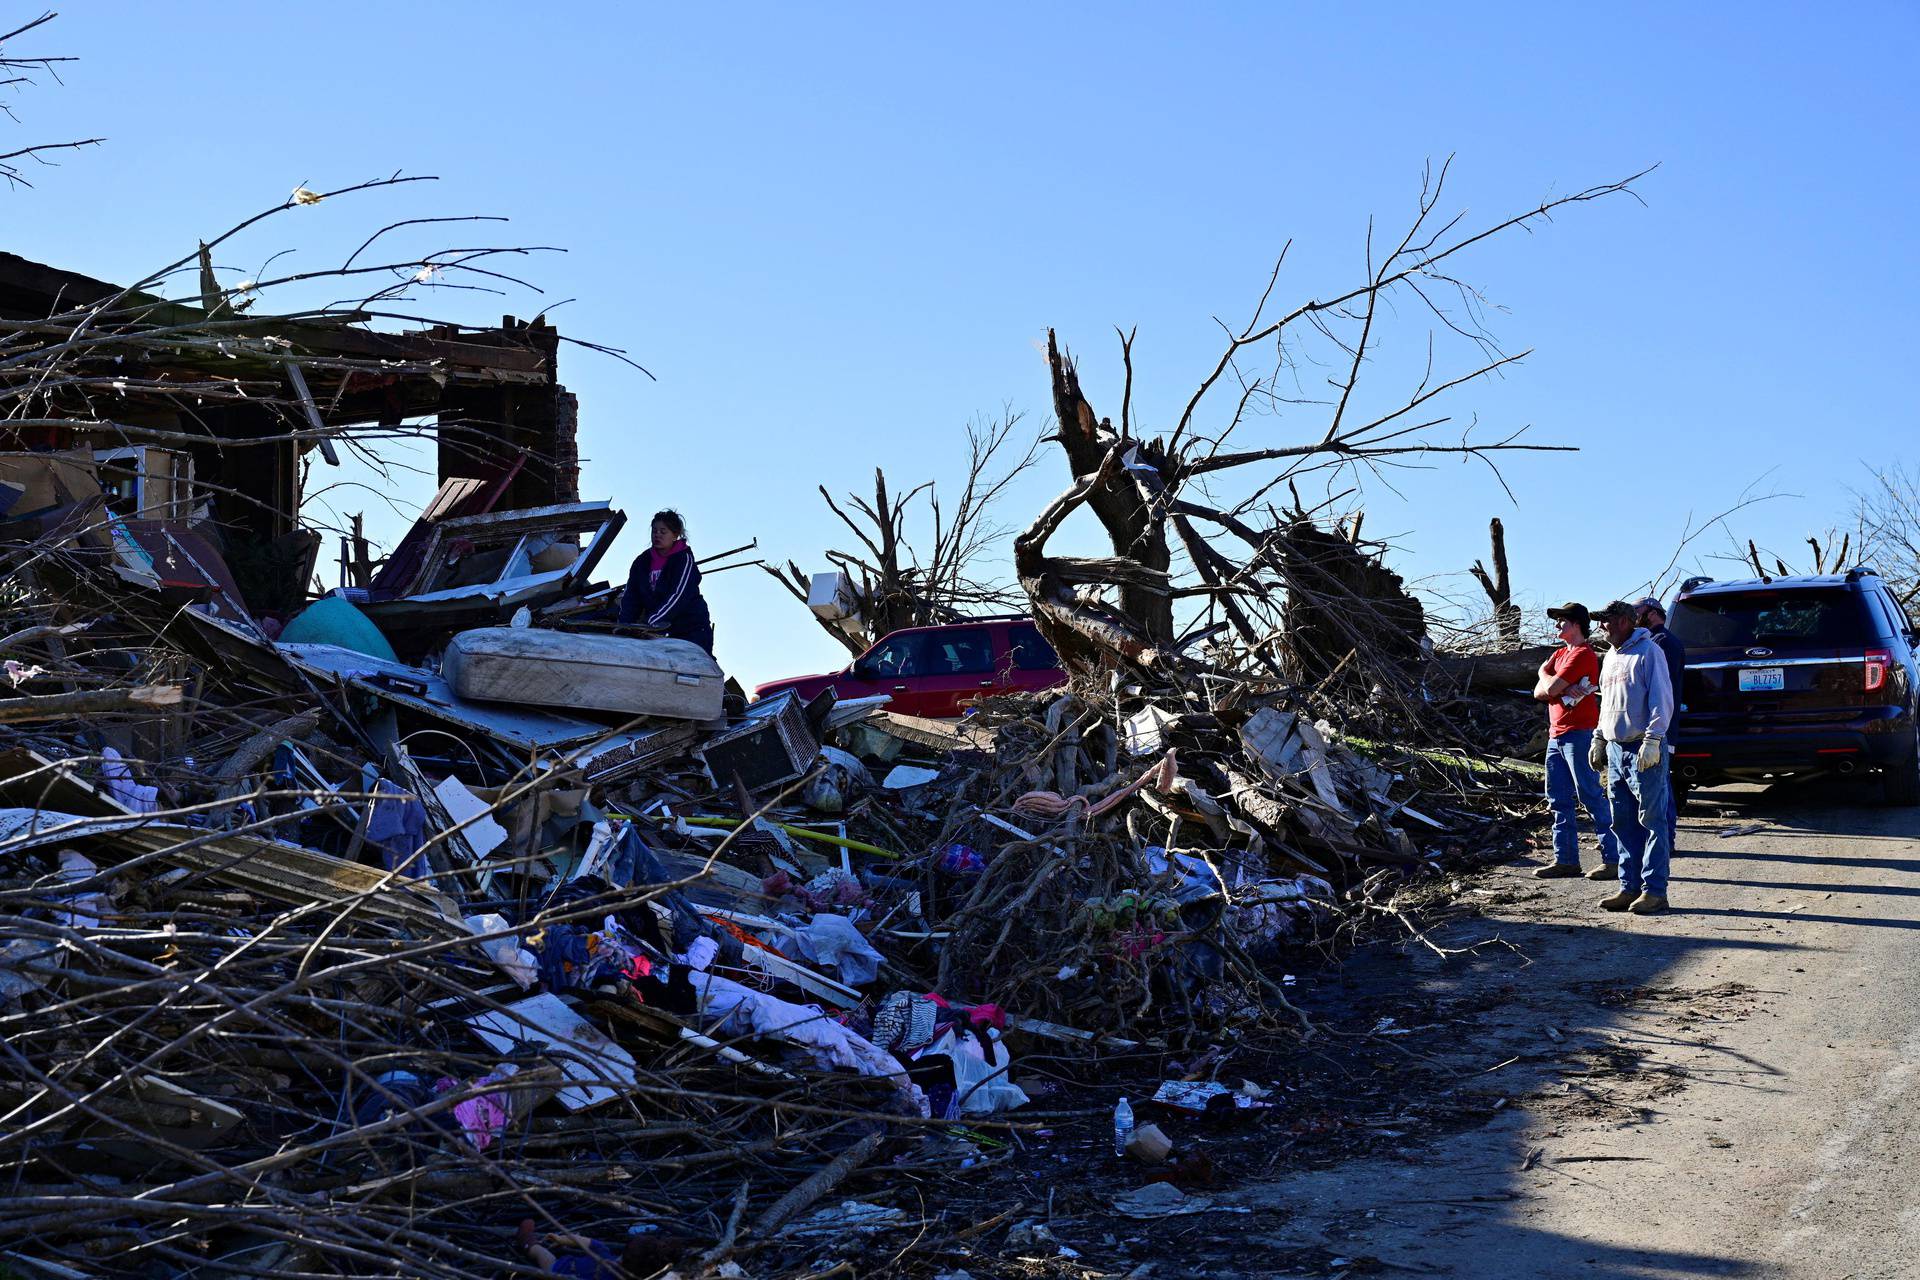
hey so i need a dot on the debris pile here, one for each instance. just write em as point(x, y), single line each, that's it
point(473, 929)
point(443, 926)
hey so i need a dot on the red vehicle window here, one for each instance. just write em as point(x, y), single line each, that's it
point(960, 652)
point(963, 653)
point(1030, 652)
point(898, 656)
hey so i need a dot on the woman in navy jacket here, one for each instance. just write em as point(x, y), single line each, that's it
point(663, 590)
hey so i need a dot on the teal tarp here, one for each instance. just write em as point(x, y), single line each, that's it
point(334, 620)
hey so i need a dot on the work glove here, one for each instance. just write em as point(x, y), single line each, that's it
point(1651, 750)
point(1597, 754)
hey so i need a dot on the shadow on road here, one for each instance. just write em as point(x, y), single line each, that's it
point(1907, 866)
point(1839, 806)
point(1748, 913)
point(1813, 886)
point(1556, 1042)
point(1466, 1205)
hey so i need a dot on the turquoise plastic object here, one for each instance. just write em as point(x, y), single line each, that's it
point(334, 620)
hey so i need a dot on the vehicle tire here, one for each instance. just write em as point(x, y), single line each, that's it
point(1902, 780)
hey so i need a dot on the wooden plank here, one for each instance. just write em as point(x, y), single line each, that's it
point(299, 381)
point(939, 735)
point(274, 869)
point(293, 874)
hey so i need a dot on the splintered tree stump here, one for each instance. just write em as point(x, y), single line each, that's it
point(1499, 587)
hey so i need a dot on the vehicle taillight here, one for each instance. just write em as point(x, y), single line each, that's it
point(1878, 660)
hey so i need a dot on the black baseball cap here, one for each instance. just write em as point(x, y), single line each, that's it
point(1571, 611)
point(1616, 609)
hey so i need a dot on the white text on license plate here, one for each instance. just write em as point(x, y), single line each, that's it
point(1760, 679)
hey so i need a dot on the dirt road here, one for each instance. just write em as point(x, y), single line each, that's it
point(1729, 1090)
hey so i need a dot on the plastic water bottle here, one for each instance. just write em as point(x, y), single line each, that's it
point(1122, 1127)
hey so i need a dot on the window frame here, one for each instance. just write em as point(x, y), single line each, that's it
point(949, 640)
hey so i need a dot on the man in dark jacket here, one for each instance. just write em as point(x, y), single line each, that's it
point(663, 589)
point(1648, 613)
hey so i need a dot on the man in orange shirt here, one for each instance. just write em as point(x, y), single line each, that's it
point(1570, 686)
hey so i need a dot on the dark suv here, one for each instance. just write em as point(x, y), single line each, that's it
point(1792, 677)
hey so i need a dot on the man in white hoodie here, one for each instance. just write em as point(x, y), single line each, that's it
point(1636, 706)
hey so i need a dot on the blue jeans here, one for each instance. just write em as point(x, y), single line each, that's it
point(1639, 818)
point(1568, 773)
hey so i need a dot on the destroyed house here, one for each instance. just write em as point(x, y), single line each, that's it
point(187, 428)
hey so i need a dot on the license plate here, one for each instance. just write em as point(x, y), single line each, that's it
point(1762, 679)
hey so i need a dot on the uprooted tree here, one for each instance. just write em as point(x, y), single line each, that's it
point(920, 563)
point(1279, 592)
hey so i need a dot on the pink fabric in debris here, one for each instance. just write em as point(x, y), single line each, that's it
point(1051, 804)
point(484, 1116)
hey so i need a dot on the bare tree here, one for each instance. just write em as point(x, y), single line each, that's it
point(1499, 587)
point(1149, 491)
point(19, 69)
point(920, 562)
point(1885, 536)
point(1887, 514)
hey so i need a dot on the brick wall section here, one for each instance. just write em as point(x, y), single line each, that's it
point(566, 446)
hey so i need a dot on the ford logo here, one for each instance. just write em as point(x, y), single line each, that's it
point(1759, 653)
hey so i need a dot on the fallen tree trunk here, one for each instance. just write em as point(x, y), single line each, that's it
point(1481, 672)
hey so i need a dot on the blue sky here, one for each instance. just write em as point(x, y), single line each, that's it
point(836, 234)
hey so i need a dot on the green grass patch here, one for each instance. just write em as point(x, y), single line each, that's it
point(1445, 759)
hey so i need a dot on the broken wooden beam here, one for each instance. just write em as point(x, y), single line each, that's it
point(61, 706)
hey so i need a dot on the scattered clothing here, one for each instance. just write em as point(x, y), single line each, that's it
point(571, 956)
point(740, 1010)
point(483, 1117)
point(905, 1022)
point(980, 1083)
point(118, 782)
point(397, 823)
point(505, 950)
point(834, 941)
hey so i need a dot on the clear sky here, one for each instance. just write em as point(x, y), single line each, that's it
point(838, 233)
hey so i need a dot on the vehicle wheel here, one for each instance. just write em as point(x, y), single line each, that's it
point(1903, 779)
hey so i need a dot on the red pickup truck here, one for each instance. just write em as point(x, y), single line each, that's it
point(935, 671)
